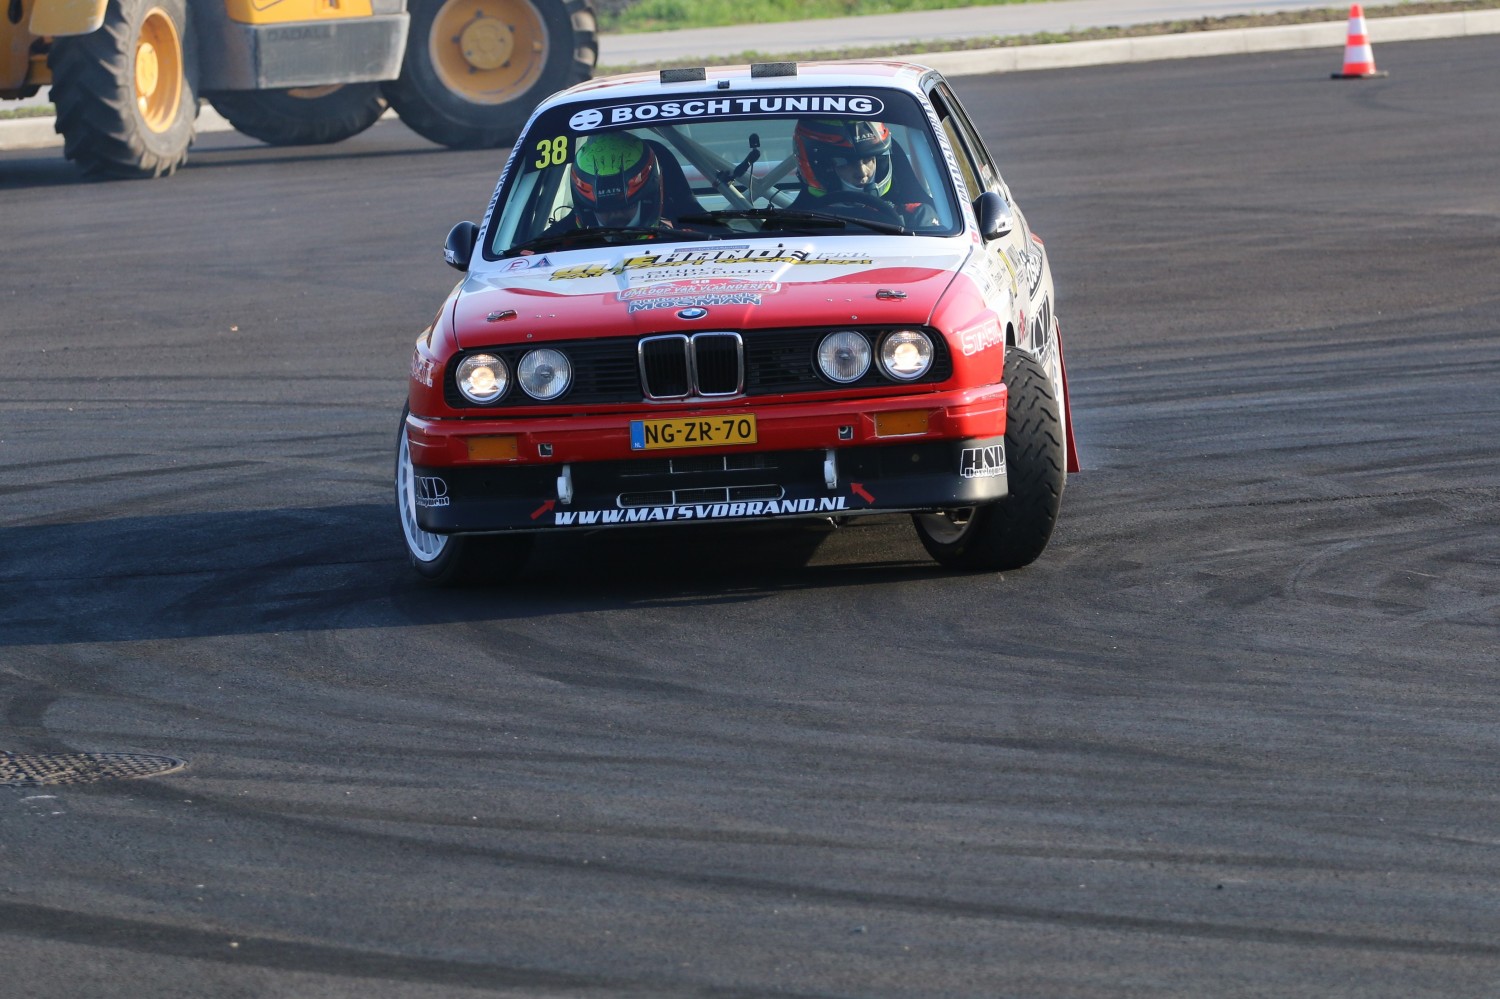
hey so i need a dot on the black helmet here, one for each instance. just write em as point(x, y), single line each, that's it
point(615, 172)
point(824, 144)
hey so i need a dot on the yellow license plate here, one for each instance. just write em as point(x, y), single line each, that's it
point(703, 431)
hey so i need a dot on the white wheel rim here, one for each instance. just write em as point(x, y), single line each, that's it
point(424, 546)
point(947, 526)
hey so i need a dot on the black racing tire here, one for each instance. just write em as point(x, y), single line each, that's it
point(111, 125)
point(1012, 532)
point(456, 559)
point(305, 116)
point(543, 46)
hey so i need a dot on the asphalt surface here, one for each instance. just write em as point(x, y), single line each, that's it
point(1233, 735)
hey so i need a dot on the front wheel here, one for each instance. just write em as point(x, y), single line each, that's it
point(475, 69)
point(126, 94)
point(1012, 532)
point(451, 560)
point(302, 116)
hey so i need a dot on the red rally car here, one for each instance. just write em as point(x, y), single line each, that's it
point(741, 294)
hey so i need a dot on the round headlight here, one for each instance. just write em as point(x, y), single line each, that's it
point(844, 357)
point(545, 374)
point(906, 354)
point(482, 378)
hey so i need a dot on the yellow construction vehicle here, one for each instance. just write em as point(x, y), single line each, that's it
point(127, 76)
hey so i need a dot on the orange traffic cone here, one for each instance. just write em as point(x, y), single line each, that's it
point(1359, 58)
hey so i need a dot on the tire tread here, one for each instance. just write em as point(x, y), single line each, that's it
point(1013, 532)
point(91, 85)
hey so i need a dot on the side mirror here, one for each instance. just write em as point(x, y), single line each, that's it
point(996, 218)
point(459, 249)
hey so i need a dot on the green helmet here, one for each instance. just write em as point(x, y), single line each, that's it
point(614, 172)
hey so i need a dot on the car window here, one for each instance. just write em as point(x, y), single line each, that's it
point(979, 170)
point(725, 164)
point(966, 164)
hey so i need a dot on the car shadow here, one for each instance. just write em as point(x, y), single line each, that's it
point(251, 571)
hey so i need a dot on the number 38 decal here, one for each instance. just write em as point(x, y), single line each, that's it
point(552, 152)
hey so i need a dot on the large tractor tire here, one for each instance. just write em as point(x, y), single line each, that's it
point(1012, 532)
point(475, 69)
point(127, 94)
point(302, 116)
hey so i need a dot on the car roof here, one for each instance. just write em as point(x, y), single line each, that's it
point(757, 77)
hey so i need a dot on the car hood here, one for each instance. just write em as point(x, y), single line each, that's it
point(756, 284)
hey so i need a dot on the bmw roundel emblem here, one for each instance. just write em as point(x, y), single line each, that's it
point(694, 313)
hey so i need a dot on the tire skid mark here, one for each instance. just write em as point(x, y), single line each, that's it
point(25, 701)
point(25, 707)
point(594, 680)
point(1362, 569)
point(889, 901)
point(617, 831)
point(1438, 495)
point(1109, 751)
point(28, 466)
point(228, 947)
point(126, 476)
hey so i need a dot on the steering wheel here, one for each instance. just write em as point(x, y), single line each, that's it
point(864, 205)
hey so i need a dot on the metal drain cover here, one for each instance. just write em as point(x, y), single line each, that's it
point(39, 769)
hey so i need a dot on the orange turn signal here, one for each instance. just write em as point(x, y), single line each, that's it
point(902, 423)
point(493, 448)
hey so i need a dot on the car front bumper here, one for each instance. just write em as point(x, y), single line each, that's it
point(823, 459)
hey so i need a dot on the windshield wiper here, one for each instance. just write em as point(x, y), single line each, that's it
point(766, 214)
point(796, 216)
point(608, 235)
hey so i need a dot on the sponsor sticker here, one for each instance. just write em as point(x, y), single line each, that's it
point(1047, 357)
point(692, 301)
point(699, 286)
point(699, 511)
point(431, 491)
point(964, 204)
point(527, 263)
point(981, 336)
point(695, 294)
point(990, 273)
point(422, 368)
point(635, 112)
point(982, 462)
point(1041, 327)
point(687, 258)
point(1028, 265)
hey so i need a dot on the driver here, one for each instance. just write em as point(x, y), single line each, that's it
point(838, 156)
point(616, 182)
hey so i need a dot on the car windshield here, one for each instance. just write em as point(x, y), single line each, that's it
point(724, 165)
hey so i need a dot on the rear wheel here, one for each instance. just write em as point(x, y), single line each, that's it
point(475, 69)
point(452, 560)
point(127, 94)
point(1012, 532)
point(302, 116)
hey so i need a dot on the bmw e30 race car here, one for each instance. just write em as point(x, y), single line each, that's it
point(740, 294)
